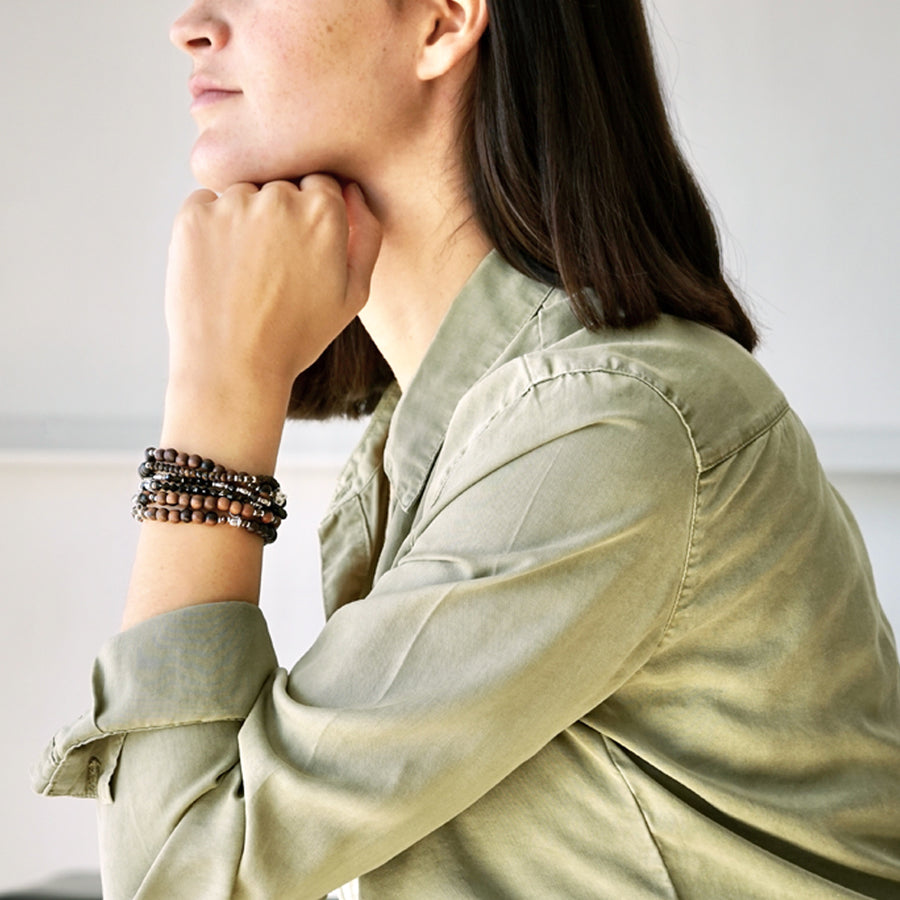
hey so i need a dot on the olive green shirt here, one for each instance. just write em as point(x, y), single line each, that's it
point(598, 627)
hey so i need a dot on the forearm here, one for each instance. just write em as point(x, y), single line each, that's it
point(183, 565)
point(259, 282)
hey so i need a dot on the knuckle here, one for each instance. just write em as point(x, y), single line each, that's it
point(275, 196)
point(278, 189)
point(324, 209)
point(188, 218)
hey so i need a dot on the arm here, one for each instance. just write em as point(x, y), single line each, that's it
point(259, 282)
point(511, 615)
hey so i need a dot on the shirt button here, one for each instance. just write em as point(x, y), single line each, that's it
point(93, 776)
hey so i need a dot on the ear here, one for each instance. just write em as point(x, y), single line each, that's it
point(451, 33)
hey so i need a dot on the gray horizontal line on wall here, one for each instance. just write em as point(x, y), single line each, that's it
point(848, 450)
point(117, 437)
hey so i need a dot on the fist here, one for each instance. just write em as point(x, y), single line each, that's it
point(261, 280)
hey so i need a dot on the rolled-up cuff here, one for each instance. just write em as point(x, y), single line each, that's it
point(204, 663)
point(79, 762)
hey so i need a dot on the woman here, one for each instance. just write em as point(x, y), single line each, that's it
point(598, 626)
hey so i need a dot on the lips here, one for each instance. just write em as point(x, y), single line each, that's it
point(206, 91)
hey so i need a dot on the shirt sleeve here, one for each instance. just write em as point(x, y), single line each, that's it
point(543, 570)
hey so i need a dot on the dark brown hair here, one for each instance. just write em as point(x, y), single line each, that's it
point(576, 178)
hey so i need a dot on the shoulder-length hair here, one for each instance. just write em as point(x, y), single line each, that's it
point(576, 178)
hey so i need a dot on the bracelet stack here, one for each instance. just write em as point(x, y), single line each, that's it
point(177, 487)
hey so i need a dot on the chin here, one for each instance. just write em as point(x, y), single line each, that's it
point(217, 169)
point(217, 164)
point(218, 177)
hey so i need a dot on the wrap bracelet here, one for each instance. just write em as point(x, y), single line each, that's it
point(186, 488)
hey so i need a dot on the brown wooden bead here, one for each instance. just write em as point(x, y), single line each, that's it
point(209, 503)
point(236, 507)
point(223, 504)
point(171, 498)
point(197, 516)
point(173, 515)
point(184, 500)
point(247, 511)
point(197, 502)
point(181, 459)
point(170, 455)
point(194, 461)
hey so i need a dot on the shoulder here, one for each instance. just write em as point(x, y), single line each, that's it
point(673, 381)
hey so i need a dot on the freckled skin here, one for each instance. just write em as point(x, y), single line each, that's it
point(324, 88)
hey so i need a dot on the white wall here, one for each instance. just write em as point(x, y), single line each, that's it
point(92, 169)
point(792, 124)
point(790, 112)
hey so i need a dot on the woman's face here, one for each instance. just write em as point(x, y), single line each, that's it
point(283, 88)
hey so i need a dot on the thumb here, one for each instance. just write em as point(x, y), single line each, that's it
point(364, 242)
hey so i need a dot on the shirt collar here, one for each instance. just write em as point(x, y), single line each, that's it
point(493, 306)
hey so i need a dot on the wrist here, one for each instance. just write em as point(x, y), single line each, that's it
point(238, 425)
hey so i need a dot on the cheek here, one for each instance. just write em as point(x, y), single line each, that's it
point(354, 97)
point(304, 79)
point(345, 58)
point(304, 50)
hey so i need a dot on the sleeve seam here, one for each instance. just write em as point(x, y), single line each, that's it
point(139, 728)
point(765, 427)
point(536, 382)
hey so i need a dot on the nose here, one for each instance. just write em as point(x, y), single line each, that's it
point(198, 29)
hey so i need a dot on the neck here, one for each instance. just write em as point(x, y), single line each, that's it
point(431, 245)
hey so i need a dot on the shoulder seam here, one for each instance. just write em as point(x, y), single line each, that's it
point(536, 382)
point(768, 425)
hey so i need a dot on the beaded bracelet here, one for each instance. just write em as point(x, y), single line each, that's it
point(263, 503)
point(177, 487)
point(199, 508)
point(172, 462)
point(173, 515)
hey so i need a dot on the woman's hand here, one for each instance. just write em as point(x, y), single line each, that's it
point(260, 281)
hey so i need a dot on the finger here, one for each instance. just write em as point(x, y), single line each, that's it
point(241, 187)
point(280, 185)
point(363, 245)
point(321, 181)
point(200, 197)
